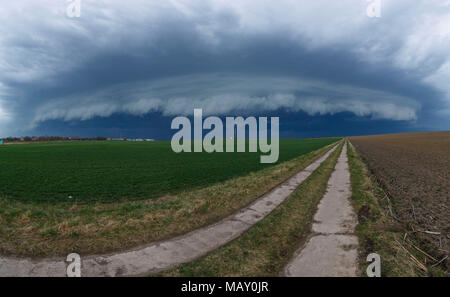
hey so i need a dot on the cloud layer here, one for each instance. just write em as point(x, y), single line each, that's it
point(225, 56)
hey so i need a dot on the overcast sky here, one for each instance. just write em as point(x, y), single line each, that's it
point(127, 67)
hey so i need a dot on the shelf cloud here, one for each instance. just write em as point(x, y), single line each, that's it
point(140, 57)
point(221, 94)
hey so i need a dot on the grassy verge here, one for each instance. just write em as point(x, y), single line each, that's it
point(28, 229)
point(266, 248)
point(378, 231)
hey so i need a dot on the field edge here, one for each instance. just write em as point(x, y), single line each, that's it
point(378, 230)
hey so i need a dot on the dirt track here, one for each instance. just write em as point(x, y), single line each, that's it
point(332, 250)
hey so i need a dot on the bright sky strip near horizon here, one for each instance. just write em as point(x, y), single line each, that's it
point(128, 67)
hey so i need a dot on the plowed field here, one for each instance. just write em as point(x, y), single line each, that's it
point(414, 170)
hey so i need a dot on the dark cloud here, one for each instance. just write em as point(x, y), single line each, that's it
point(164, 58)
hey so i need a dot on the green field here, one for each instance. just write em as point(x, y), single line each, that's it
point(112, 171)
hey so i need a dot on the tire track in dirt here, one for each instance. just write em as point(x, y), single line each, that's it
point(163, 255)
point(332, 248)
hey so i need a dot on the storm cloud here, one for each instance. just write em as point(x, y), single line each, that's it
point(139, 57)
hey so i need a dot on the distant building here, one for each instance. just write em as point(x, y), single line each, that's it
point(130, 139)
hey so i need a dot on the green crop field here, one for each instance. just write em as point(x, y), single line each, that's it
point(111, 171)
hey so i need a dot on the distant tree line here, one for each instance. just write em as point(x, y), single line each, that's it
point(49, 138)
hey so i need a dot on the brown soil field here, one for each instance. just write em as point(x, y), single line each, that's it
point(414, 170)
